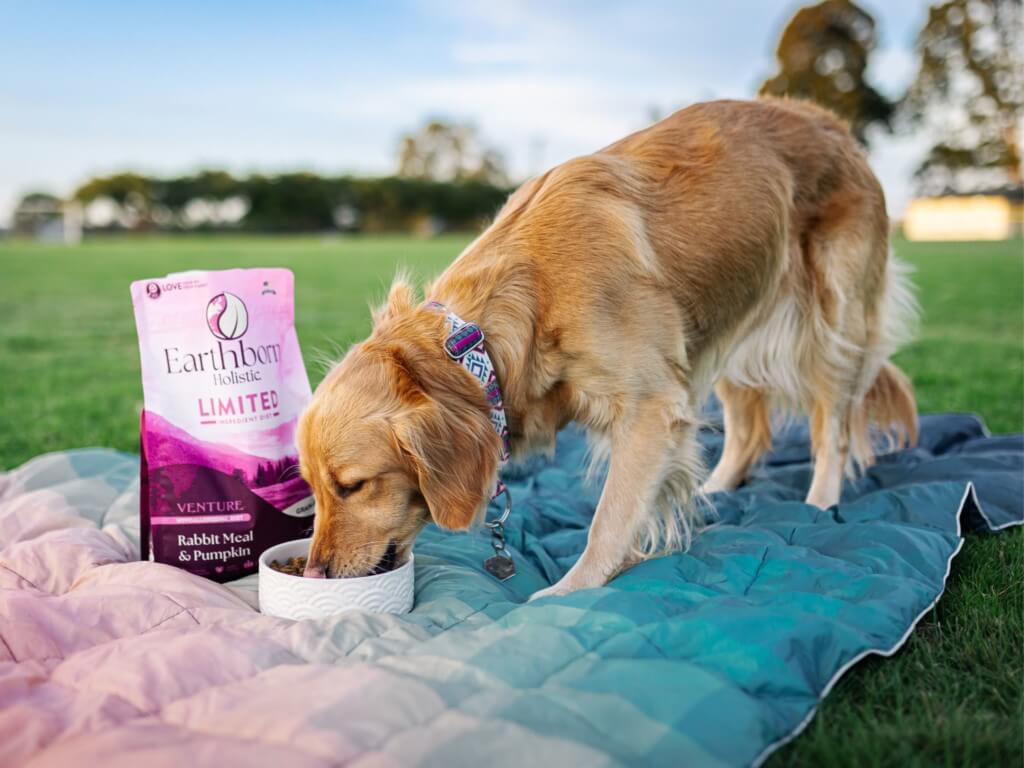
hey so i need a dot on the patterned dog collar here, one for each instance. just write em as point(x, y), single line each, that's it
point(465, 345)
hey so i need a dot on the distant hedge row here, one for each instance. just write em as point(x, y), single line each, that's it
point(291, 202)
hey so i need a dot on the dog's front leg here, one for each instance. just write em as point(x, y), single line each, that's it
point(643, 450)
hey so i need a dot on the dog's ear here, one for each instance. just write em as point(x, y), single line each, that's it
point(401, 299)
point(454, 457)
point(446, 435)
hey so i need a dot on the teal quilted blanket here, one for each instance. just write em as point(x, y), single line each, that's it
point(712, 657)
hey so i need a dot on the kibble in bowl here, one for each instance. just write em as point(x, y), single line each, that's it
point(293, 566)
point(286, 593)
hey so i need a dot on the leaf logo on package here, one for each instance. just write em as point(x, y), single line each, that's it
point(227, 316)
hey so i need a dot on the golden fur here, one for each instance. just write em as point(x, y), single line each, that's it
point(735, 245)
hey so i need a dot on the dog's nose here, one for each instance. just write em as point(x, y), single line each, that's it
point(314, 571)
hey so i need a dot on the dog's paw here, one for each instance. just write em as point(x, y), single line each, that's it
point(716, 485)
point(556, 589)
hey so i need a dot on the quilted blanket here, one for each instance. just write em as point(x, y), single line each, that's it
point(712, 657)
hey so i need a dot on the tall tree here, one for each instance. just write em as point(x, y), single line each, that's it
point(969, 95)
point(442, 151)
point(823, 56)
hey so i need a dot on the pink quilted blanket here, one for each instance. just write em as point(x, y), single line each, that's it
point(108, 661)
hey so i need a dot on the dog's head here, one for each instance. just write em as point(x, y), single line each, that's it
point(395, 435)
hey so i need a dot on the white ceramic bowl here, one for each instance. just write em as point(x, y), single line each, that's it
point(296, 597)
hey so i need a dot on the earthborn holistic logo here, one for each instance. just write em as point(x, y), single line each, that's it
point(227, 316)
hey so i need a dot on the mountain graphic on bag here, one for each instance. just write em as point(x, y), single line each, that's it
point(223, 385)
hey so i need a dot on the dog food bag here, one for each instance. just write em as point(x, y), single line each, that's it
point(223, 384)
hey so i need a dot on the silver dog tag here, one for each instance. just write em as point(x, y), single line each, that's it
point(500, 567)
point(500, 564)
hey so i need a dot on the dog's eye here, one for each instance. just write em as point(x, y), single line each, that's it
point(347, 490)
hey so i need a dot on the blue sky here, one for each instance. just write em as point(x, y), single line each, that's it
point(101, 86)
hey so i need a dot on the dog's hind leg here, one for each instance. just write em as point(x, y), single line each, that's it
point(834, 366)
point(830, 443)
point(748, 434)
point(860, 386)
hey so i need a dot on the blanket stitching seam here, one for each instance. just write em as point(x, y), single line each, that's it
point(25, 579)
point(9, 650)
point(432, 624)
point(183, 608)
point(757, 572)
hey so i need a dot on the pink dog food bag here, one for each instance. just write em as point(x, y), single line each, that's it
point(223, 384)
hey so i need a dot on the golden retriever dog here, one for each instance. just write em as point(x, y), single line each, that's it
point(735, 246)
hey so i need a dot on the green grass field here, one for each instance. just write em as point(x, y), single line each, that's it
point(954, 695)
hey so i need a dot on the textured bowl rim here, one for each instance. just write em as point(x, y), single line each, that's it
point(368, 581)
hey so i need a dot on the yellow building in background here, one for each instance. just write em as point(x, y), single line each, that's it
point(998, 216)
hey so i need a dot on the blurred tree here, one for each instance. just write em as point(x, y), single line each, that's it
point(134, 195)
point(442, 151)
point(823, 55)
point(142, 202)
point(289, 202)
point(969, 94)
point(176, 193)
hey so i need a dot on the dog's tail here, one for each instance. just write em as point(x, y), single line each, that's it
point(890, 406)
point(887, 401)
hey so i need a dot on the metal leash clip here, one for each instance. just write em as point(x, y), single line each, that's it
point(500, 564)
